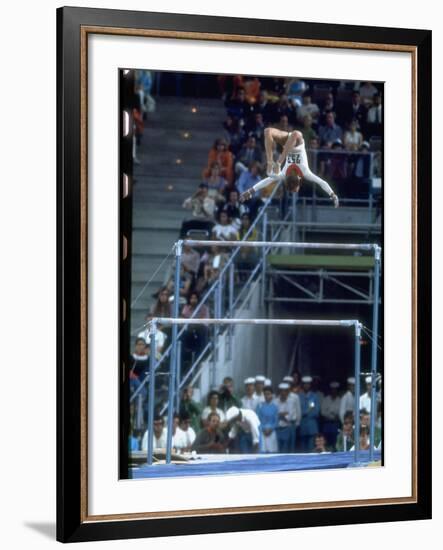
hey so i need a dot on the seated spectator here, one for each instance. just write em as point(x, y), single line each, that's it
point(212, 407)
point(160, 338)
point(365, 398)
point(347, 402)
point(190, 260)
point(284, 108)
point(239, 107)
point(189, 309)
point(336, 166)
point(177, 439)
point(162, 306)
point(308, 108)
point(244, 433)
point(227, 396)
point(216, 183)
point(283, 124)
point(252, 89)
point(220, 153)
point(191, 408)
point(295, 89)
point(345, 438)
point(248, 401)
point(375, 115)
point(367, 92)
point(268, 414)
point(330, 132)
point(360, 164)
point(185, 283)
point(353, 138)
point(139, 362)
point(210, 439)
point(248, 179)
point(330, 410)
point(212, 262)
point(356, 110)
point(196, 336)
point(159, 435)
point(203, 208)
point(265, 108)
point(224, 230)
point(234, 133)
point(248, 153)
point(184, 435)
point(234, 208)
point(328, 105)
point(255, 127)
point(320, 444)
point(243, 231)
point(364, 439)
point(308, 131)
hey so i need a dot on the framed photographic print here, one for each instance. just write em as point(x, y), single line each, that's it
point(244, 240)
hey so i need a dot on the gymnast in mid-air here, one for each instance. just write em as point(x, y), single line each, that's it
point(291, 166)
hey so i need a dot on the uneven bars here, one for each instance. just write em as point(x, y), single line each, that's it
point(296, 322)
point(272, 244)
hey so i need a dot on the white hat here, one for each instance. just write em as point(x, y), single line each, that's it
point(334, 384)
point(289, 379)
point(306, 379)
point(260, 378)
point(368, 379)
point(283, 386)
point(231, 413)
point(351, 380)
point(268, 382)
point(250, 380)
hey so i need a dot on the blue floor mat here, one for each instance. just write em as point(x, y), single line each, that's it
point(263, 463)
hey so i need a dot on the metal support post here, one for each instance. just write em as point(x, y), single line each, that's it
point(231, 307)
point(173, 359)
point(178, 379)
point(151, 398)
point(357, 391)
point(263, 255)
point(375, 308)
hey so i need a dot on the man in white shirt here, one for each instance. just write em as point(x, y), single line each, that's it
point(160, 433)
point(249, 400)
point(287, 418)
point(184, 435)
point(365, 399)
point(347, 402)
point(245, 426)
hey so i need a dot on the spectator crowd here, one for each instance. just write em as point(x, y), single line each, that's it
point(297, 417)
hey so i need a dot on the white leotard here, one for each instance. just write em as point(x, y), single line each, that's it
point(296, 156)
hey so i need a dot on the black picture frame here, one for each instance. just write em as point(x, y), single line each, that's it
point(72, 523)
